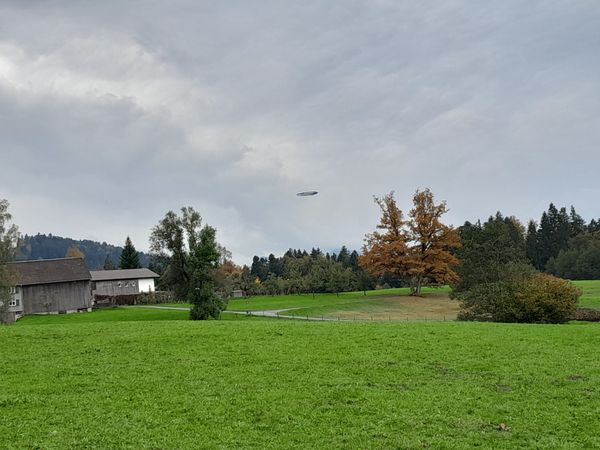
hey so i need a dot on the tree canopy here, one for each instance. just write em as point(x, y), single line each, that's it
point(417, 250)
point(191, 255)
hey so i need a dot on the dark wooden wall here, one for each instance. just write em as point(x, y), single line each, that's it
point(57, 297)
point(112, 287)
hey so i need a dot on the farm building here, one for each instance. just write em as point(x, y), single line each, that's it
point(238, 293)
point(50, 286)
point(122, 282)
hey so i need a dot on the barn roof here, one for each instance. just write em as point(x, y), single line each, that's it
point(47, 271)
point(122, 274)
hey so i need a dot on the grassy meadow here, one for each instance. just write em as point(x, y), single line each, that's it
point(384, 304)
point(590, 297)
point(130, 378)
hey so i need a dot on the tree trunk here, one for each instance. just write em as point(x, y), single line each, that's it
point(415, 289)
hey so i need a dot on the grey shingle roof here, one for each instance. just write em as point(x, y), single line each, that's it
point(122, 274)
point(47, 271)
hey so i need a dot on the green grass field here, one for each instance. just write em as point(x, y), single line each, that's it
point(278, 384)
point(385, 304)
point(591, 293)
point(149, 378)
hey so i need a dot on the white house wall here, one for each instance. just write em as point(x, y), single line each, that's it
point(146, 285)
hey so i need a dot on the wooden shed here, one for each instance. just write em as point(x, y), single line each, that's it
point(49, 286)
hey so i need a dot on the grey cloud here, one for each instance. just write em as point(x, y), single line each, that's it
point(112, 113)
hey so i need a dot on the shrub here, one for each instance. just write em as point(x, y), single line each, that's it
point(206, 304)
point(586, 314)
point(537, 298)
point(488, 302)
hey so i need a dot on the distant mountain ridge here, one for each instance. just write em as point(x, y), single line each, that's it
point(43, 246)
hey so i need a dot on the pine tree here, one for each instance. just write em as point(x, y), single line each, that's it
point(129, 256)
point(556, 228)
point(563, 230)
point(344, 256)
point(593, 226)
point(532, 245)
point(577, 223)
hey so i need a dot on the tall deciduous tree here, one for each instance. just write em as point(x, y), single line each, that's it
point(8, 246)
point(430, 258)
point(193, 255)
point(130, 258)
point(417, 250)
point(386, 249)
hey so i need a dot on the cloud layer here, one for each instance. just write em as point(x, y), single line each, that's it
point(113, 113)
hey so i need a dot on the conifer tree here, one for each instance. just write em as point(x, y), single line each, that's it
point(532, 245)
point(577, 223)
point(129, 256)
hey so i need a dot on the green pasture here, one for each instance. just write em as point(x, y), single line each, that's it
point(591, 293)
point(385, 304)
point(268, 302)
point(129, 382)
point(117, 314)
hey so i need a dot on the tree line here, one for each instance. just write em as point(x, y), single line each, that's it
point(300, 272)
point(97, 255)
point(499, 282)
point(563, 244)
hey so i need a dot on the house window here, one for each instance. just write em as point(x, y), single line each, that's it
point(12, 290)
point(14, 302)
point(119, 284)
point(133, 284)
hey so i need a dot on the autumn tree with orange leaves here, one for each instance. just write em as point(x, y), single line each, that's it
point(417, 249)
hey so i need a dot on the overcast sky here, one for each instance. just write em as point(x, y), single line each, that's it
point(112, 113)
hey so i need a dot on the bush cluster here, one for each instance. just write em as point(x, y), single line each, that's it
point(531, 298)
point(586, 314)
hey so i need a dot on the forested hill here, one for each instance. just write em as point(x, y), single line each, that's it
point(43, 246)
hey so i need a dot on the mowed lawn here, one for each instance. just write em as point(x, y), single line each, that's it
point(166, 382)
point(590, 293)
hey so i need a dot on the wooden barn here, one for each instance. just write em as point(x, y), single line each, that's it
point(122, 281)
point(48, 286)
